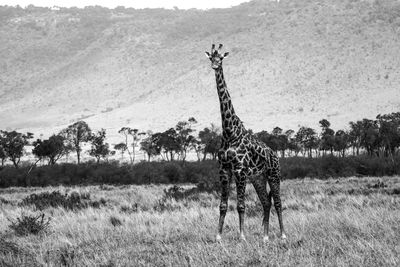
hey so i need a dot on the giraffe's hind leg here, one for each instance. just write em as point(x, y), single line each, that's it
point(241, 189)
point(260, 185)
point(223, 207)
point(274, 184)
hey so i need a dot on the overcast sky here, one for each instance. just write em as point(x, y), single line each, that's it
point(183, 4)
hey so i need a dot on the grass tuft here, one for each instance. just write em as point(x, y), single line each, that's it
point(30, 224)
point(115, 221)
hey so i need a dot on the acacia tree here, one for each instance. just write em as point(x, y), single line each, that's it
point(13, 144)
point(136, 137)
point(78, 133)
point(122, 148)
point(291, 142)
point(210, 139)
point(370, 136)
point(149, 145)
point(355, 136)
point(307, 137)
point(167, 143)
point(184, 136)
point(341, 142)
point(327, 136)
point(281, 140)
point(99, 149)
point(126, 131)
point(52, 149)
point(389, 131)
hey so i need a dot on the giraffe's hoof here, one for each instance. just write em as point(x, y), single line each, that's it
point(218, 238)
point(242, 237)
point(265, 239)
point(283, 236)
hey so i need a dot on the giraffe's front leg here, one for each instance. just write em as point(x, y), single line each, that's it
point(274, 184)
point(241, 189)
point(223, 207)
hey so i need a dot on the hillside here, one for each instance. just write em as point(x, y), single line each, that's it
point(291, 63)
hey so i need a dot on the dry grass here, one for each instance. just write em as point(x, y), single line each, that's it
point(335, 222)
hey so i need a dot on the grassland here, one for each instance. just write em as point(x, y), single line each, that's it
point(335, 222)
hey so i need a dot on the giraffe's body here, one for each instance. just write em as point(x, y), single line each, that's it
point(243, 156)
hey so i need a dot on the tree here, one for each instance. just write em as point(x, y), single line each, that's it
point(184, 137)
point(355, 136)
point(52, 149)
point(277, 141)
point(210, 141)
point(122, 148)
point(126, 131)
point(136, 137)
point(291, 142)
point(167, 143)
point(99, 149)
point(13, 144)
point(389, 132)
point(370, 136)
point(3, 155)
point(281, 140)
point(327, 136)
point(78, 133)
point(307, 137)
point(149, 145)
point(198, 147)
point(341, 142)
point(324, 123)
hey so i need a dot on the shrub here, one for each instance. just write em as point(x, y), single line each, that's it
point(179, 193)
point(129, 209)
point(30, 224)
point(175, 192)
point(209, 184)
point(205, 173)
point(163, 205)
point(55, 199)
point(4, 201)
point(173, 172)
point(115, 221)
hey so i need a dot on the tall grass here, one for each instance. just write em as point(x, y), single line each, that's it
point(339, 222)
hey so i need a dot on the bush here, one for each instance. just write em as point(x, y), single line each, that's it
point(209, 184)
point(204, 173)
point(115, 221)
point(55, 199)
point(173, 172)
point(30, 224)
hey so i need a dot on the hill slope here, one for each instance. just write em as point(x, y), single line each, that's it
point(291, 63)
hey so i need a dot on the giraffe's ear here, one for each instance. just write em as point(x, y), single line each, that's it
point(208, 55)
point(226, 54)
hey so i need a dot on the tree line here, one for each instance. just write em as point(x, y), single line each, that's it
point(379, 137)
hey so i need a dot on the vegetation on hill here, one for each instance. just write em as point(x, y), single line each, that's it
point(313, 58)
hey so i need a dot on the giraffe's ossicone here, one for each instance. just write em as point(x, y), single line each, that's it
point(242, 156)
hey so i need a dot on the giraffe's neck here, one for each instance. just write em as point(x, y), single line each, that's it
point(231, 124)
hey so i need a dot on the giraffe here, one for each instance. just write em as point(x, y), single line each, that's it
point(242, 156)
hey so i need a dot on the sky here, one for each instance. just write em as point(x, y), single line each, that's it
point(182, 4)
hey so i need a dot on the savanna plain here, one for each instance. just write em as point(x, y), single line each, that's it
point(336, 222)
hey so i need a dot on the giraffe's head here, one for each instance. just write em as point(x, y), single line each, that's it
point(216, 57)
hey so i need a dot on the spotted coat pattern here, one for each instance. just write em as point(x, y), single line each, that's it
point(242, 156)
